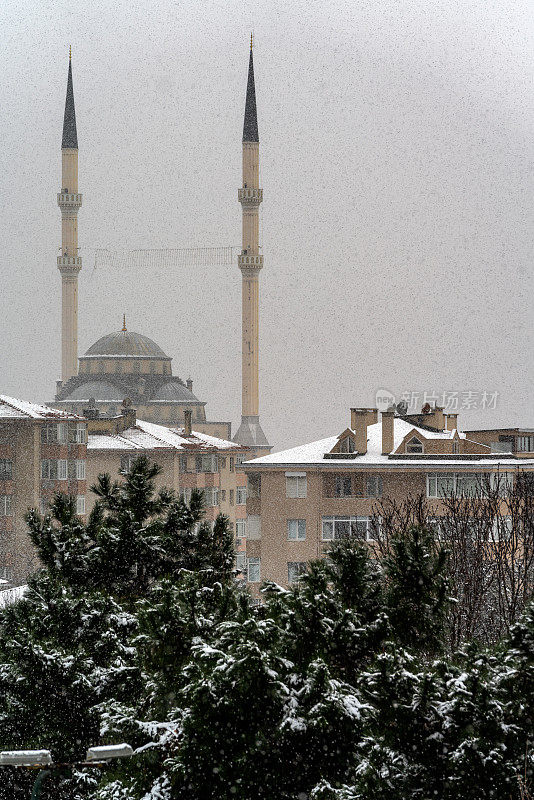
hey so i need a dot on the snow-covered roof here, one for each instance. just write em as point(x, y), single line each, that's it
point(312, 454)
point(150, 436)
point(12, 408)
point(10, 596)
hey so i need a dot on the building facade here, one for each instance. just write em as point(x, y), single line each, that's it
point(301, 499)
point(42, 451)
point(189, 459)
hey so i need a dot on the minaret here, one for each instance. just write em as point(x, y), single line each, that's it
point(69, 262)
point(250, 263)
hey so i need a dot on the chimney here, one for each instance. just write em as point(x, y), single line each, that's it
point(388, 440)
point(359, 420)
point(435, 418)
point(189, 384)
point(91, 413)
point(188, 414)
point(129, 414)
point(451, 422)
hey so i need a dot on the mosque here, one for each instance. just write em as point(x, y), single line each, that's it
point(124, 364)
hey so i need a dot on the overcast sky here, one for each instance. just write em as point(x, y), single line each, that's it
point(396, 143)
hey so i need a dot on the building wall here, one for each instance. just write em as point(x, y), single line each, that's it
point(273, 509)
point(20, 441)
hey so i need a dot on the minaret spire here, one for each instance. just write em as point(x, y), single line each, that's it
point(70, 136)
point(69, 262)
point(250, 124)
point(250, 263)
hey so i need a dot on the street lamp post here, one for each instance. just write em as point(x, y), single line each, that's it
point(42, 760)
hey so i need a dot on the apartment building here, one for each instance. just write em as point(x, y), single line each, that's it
point(188, 460)
point(301, 499)
point(42, 451)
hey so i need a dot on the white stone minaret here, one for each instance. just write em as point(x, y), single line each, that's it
point(69, 262)
point(250, 263)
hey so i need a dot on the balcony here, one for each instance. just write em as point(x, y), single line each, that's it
point(68, 200)
point(246, 261)
point(69, 262)
point(252, 197)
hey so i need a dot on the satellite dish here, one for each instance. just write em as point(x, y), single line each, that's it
point(426, 408)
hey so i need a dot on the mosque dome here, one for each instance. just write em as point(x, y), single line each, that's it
point(126, 343)
point(174, 392)
point(101, 391)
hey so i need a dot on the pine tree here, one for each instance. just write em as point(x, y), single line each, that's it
point(416, 589)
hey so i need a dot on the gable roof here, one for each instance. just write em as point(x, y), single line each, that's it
point(11, 407)
point(150, 436)
point(312, 454)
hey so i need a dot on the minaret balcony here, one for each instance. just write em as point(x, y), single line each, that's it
point(250, 197)
point(69, 262)
point(252, 262)
point(69, 200)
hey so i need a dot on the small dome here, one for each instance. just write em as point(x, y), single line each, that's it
point(174, 392)
point(126, 343)
point(101, 391)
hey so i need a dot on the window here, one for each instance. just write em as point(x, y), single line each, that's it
point(206, 464)
point(241, 495)
point(253, 570)
point(525, 444)
point(54, 469)
point(254, 486)
point(463, 484)
point(240, 460)
point(502, 528)
point(374, 486)
point(211, 497)
point(127, 463)
point(296, 484)
point(6, 505)
point(468, 484)
point(185, 495)
point(455, 447)
point(43, 506)
point(340, 527)
point(54, 433)
point(81, 433)
point(80, 469)
point(439, 485)
point(295, 570)
point(183, 464)
point(348, 445)
point(241, 529)
point(503, 482)
point(222, 463)
point(415, 445)
point(80, 504)
point(223, 495)
point(6, 469)
point(231, 464)
point(343, 486)
point(231, 497)
point(241, 562)
point(296, 530)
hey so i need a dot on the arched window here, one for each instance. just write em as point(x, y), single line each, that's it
point(415, 445)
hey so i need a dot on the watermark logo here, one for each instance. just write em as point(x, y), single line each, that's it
point(384, 399)
point(449, 401)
